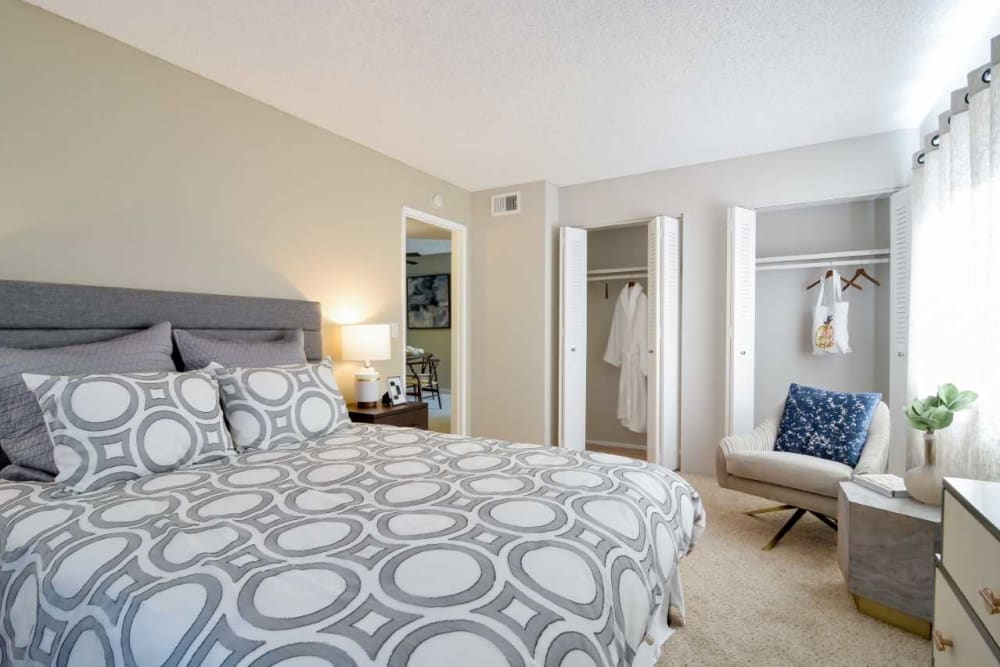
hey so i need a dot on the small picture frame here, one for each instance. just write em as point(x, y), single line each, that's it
point(397, 392)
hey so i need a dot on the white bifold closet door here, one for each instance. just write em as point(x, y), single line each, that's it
point(663, 383)
point(573, 338)
point(741, 232)
point(664, 311)
point(899, 327)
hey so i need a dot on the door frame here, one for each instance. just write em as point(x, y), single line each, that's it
point(459, 311)
point(645, 221)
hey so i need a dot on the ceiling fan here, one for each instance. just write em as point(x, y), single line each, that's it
point(412, 262)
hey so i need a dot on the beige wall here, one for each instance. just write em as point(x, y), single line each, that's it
point(701, 194)
point(434, 341)
point(119, 169)
point(512, 314)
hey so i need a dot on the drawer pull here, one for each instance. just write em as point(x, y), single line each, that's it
point(940, 642)
point(991, 600)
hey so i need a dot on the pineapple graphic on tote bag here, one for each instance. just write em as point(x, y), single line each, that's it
point(824, 335)
point(829, 330)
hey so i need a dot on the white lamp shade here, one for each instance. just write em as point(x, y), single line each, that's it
point(366, 342)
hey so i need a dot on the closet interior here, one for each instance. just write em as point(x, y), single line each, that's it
point(595, 265)
point(616, 258)
point(795, 249)
point(780, 262)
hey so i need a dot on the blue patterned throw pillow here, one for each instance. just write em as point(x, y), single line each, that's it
point(832, 425)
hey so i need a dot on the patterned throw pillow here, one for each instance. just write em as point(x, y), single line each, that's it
point(198, 352)
point(832, 425)
point(22, 429)
point(107, 428)
point(266, 407)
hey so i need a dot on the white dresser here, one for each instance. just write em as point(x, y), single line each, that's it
point(967, 580)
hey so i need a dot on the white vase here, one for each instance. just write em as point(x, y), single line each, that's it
point(924, 482)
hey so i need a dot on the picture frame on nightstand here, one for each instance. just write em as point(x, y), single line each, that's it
point(397, 392)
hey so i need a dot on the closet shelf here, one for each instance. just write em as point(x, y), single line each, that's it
point(609, 272)
point(616, 276)
point(818, 260)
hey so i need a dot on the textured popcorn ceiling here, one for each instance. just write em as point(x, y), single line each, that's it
point(486, 93)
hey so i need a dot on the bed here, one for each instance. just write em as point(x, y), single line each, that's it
point(373, 545)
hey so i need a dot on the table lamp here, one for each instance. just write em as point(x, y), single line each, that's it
point(367, 343)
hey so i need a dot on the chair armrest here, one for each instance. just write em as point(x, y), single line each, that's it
point(875, 454)
point(761, 439)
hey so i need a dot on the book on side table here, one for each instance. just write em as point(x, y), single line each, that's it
point(887, 485)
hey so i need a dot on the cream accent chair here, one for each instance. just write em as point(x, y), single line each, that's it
point(803, 483)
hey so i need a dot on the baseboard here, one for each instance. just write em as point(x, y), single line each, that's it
point(620, 445)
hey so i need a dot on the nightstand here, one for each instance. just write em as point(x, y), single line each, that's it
point(408, 414)
point(886, 549)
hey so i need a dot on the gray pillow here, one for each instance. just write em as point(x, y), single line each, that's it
point(23, 436)
point(198, 352)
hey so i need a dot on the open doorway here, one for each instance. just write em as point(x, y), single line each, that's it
point(433, 331)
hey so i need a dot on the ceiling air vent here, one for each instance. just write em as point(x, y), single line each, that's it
point(507, 203)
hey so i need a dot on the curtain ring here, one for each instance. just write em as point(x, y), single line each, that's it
point(986, 75)
point(936, 140)
point(920, 158)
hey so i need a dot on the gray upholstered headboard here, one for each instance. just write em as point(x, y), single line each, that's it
point(34, 315)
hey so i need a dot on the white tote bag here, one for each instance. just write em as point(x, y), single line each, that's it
point(829, 330)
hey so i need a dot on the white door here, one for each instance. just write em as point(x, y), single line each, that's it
point(899, 254)
point(572, 338)
point(741, 231)
point(663, 381)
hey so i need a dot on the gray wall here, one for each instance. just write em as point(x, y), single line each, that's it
point(119, 169)
point(434, 341)
point(702, 193)
point(608, 249)
point(784, 308)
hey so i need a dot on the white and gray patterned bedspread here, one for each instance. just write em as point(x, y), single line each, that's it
point(376, 545)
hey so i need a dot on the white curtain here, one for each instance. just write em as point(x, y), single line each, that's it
point(955, 269)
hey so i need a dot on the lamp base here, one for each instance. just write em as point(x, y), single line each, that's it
point(366, 391)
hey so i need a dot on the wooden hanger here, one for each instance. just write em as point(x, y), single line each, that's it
point(829, 274)
point(861, 273)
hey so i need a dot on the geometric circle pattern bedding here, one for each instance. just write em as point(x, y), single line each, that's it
point(109, 428)
point(279, 405)
point(375, 545)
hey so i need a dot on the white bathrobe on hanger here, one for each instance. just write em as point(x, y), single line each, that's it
point(627, 350)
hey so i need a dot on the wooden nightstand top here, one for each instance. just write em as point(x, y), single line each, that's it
point(382, 411)
point(408, 414)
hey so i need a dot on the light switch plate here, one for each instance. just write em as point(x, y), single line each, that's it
point(394, 330)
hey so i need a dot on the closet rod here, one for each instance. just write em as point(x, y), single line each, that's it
point(817, 265)
point(625, 269)
point(594, 279)
point(878, 252)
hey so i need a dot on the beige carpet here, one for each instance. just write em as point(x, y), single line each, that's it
point(788, 606)
point(439, 418)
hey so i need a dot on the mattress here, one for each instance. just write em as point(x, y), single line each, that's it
point(376, 545)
